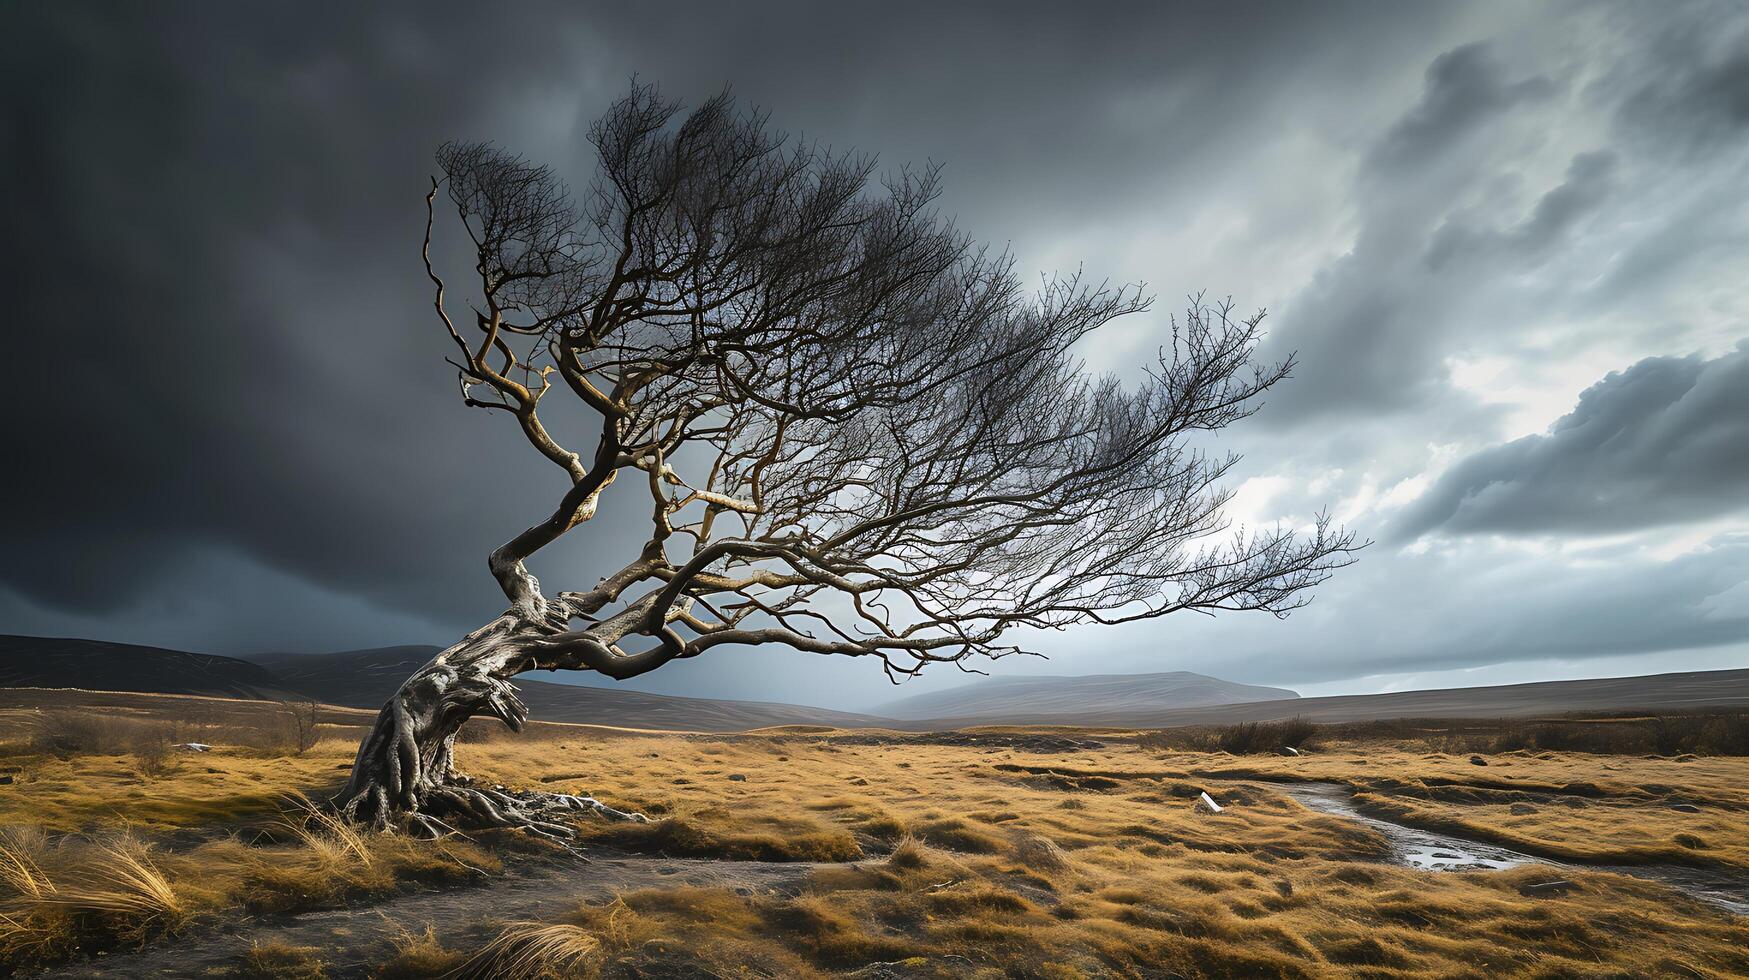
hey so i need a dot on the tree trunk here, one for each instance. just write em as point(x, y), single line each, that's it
point(405, 772)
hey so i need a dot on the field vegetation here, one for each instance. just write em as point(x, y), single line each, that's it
point(993, 852)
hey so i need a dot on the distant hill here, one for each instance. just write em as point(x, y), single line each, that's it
point(1089, 700)
point(367, 678)
point(1700, 690)
point(40, 661)
point(355, 678)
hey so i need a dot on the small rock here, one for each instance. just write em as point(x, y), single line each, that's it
point(737, 777)
point(1521, 809)
point(1289, 750)
point(194, 746)
point(1685, 808)
point(1206, 804)
point(5, 780)
point(1476, 760)
point(859, 781)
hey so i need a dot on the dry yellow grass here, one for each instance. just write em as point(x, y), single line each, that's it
point(1097, 864)
point(58, 894)
point(533, 950)
point(419, 955)
point(969, 860)
point(273, 961)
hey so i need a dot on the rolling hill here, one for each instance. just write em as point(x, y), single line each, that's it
point(366, 678)
point(1701, 690)
point(40, 661)
point(1088, 700)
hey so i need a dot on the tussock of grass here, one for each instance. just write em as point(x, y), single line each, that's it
point(711, 834)
point(532, 951)
point(122, 881)
point(280, 961)
point(113, 890)
point(418, 956)
point(957, 834)
point(57, 893)
point(332, 841)
point(908, 855)
point(1038, 852)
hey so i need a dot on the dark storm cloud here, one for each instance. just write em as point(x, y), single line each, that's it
point(217, 288)
point(1664, 442)
point(182, 173)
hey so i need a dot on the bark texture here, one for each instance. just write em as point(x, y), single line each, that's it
point(405, 772)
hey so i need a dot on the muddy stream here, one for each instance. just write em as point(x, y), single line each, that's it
point(1430, 850)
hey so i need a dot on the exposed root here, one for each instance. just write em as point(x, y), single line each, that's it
point(446, 810)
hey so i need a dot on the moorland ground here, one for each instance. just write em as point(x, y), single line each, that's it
point(806, 852)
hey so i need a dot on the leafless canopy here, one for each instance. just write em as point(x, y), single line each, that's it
point(856, 432)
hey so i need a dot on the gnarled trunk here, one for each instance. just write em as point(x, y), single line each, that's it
point(405, 771)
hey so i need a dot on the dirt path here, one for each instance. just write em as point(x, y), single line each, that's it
point(354, 939)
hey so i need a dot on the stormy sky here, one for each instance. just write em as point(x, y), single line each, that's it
point(1508, 242)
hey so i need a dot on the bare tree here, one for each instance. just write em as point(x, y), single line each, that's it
point(305, 715)
point(854, 432)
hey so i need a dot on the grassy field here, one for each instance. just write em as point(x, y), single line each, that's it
point(1026, 853)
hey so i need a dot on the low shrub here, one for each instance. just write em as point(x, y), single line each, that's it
point(1244, 738)
point(153, 752)
point(1719, 733)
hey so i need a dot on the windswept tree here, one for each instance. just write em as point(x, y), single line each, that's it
point(854, 432)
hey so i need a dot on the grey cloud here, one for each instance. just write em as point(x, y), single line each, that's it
point(1590, 177)
point(1693, 95)
point(1664, 442)
point(1367, 328)
point(1464, 88)
point(1470, 605)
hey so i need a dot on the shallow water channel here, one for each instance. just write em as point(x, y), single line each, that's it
point(1430, 850)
